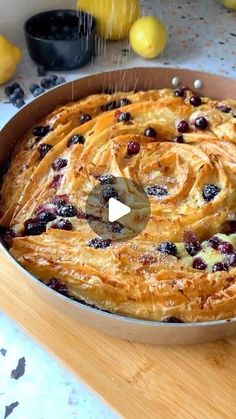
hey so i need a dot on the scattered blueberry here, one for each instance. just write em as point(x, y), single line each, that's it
point(19, 92)
point(76, 139)
point(220, 266)
point(46, 83)
point(33, 87)
point(85, 118)
point(181, 92)
point(46, 216)
point(8, 91)
point(168, 248)
point(38, 91)
point(98, 243)
point(225, 248)
point(106, 179)
point(201, 123)
point(62, 225)
point(115, 227)
point(44, 149)
point(214, 242)
point(150, 132)
point(59, 200)
point(57, 286)
point(178, 139)
point(123, 102)
point(109, 106)
point(123, 117)
point(67, 210)
point(60, 80)
point(15, 86)
point(19, 103)
point(224, 108)
point(133, 147)
point(41, 131)
point(195, 101)
point(41, 71)
point(13, 97)
point(210, 191)
point(157, 191)
point(199, 263)
point(193, 247)
point(34, 227)
point(231, 259)
point(183, 126)
point(53, 79)
point(59, 164)
point(109, 192)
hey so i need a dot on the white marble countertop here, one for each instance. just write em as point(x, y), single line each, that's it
point(201, 38)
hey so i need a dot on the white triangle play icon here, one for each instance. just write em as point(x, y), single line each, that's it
point(117, 210)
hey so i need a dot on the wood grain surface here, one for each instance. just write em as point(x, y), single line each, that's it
point(138, 381)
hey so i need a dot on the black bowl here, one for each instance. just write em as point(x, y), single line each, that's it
point(61, 39)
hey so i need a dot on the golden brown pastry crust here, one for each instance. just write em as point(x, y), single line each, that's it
point(130, 277)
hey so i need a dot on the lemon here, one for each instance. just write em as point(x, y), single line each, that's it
point(114, 17)
point(148, 37)
point(9, 58)
point(231, 4)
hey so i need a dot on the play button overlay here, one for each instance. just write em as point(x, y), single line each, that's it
point(117, 208)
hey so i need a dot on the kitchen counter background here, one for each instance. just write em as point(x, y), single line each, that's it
point(201, 38)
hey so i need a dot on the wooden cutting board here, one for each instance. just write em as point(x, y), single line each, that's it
point(138, 381)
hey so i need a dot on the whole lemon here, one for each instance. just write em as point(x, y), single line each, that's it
point(9, 58)
point(148, 37)
point(231, 4)
point(114, 17)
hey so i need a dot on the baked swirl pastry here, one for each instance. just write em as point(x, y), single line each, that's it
point(182, 149)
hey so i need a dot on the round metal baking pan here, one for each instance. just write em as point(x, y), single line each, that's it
point(143, 331)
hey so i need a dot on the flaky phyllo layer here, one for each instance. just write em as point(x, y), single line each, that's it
point(182, 150)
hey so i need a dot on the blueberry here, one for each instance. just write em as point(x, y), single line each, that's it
point(38, 91)
point(150, 132)
point(220, 266)
point(224, 108)
point(57, 286)
point(46, 83)
point(183, 126)
point(231, 259)
point(34, 227)
point(85, 118)
point(133, 148)
point(199, 263)
point(192, 248)
point(214, 242)
point(60, 80)
point(67, 210)
point(106, 179)
point(53, 78)
point(19, 103)
point(33, 87)
point(59, 164)
point(195, 101)
point(123, 117)
point(201, 123)
point(8, 90)
point(180, 92)
point(157, 191)
point(167, 248)
point(59, 200)
point(44, 149)
point(123, 102)
point(76, 139)
point(225, 248)
point(15, 86)
point(109, 106)
point(41, 71)
point(46, 216)
point(98, 243)
point(109, 192)
point(210, 191)
point(115, 227)
point(63, 225)
point(172, 319)
point(41, 131)
point(178, 139)
point(13, 97)
point(19, 92)
point(56, 183)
